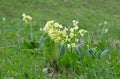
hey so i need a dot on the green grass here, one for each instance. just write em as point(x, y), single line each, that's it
point(19, 63)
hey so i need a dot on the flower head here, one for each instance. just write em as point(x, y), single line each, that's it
point(72, 45)
point(60, 34)
point(105, 30)
point(26, 18)
point(71, 29)
point(55, 31)
point(105, 22)
point(82, 32)
point(4, 19)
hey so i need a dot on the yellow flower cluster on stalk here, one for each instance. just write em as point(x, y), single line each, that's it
point(56, 31)
point(105, 30)
point(26, 18)
point(82, 32)
point(61, 34)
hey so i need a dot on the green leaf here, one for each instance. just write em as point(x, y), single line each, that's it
point(79, 51)
point(104, 52)
point(68, 60)
point(99, 53)
point(26, 76)
point(29, 44)
point(62, 50)
point(45, 70)
point(91, 52)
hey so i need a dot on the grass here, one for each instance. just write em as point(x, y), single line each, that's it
point(19, 63)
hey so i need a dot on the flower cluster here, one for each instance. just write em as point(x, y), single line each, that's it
point(26, 18)
point(61, 34)
point(105, 30)
point(56, 31)
point(74, 34)
point(82, 32)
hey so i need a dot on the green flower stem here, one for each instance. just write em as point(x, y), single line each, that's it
point(71, 49)
point(31, 31)
point(42, 37)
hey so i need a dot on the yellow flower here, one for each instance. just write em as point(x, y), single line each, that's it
point(69, 40)
point(48, 26)
point(57, 40)
point(66, 29)
point(4, 19)
point(73, 45)
point(71, 29)
point(62, 41)
point(105, 22)
point(60, 26)
point(50, 32)
point(82, 32)
point(76, 27)
point(66, 38)
point(76, 40)
point(75, 23)
point(105, 30)
point(26, 18)
point(52, 36)
point(56, 25)
point(68, 45)
point(64, 32)
point(50, 22)
point(72, 35)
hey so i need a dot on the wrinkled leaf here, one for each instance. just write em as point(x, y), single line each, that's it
point(62, 50)
point(45, 70)
point(104, 52)
point(91, 53)
point(79, 51)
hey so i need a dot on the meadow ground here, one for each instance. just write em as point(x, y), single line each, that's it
point(18, 62)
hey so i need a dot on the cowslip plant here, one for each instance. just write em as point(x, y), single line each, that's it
point(32, 42)
point(27, 19)
point(63, 49)
point(62, 43)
